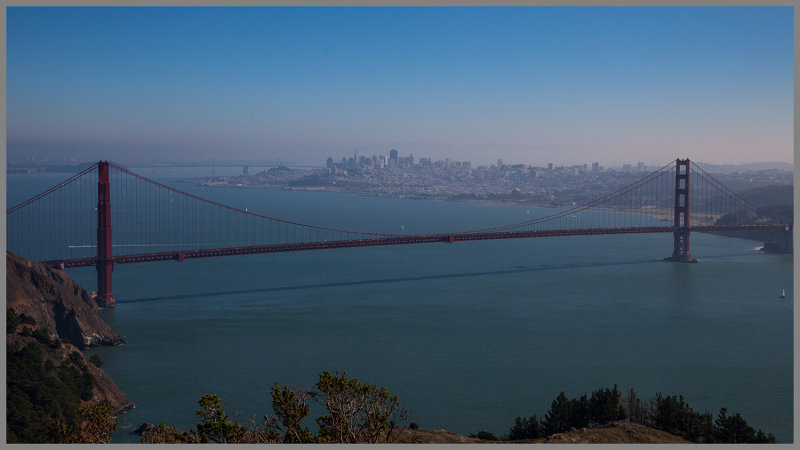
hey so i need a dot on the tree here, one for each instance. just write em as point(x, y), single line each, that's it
point(98, 422)
point(635, 409)
point(530, 428)
point(215, 425)
point(673, 415)
point(606, 405)
point(734, 429)
point(559, 417)
point(95, 426)
point(291, 408)
point(581, 414)
point(358, 412)
point(166, 434)
point(762, 438)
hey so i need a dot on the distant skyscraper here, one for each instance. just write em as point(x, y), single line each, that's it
point(392, 158)
point(595, 167)
point(329, 163)
point(549, 166)
point(499, 163)
point(640, 167)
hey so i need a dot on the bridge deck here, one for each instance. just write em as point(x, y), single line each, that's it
point(396, 240)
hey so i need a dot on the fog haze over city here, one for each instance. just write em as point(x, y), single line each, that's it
point(528, 85)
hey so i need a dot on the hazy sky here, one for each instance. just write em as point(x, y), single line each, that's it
point(527, 84)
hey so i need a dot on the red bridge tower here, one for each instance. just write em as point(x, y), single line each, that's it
point(680, 252)
point(105, 259)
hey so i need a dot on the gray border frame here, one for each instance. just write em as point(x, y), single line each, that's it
point(596, 3)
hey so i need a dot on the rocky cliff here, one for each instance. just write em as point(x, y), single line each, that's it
point(66, 313)
point(57, 303)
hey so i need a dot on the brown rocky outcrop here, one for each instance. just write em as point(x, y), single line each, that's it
point(57, 303)
point(64, 310)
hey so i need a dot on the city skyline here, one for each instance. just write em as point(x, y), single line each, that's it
point(529, 85)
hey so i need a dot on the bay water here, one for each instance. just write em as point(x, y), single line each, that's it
point(468, 335)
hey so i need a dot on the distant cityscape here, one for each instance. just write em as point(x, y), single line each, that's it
point(394, 160)
point(407, 177)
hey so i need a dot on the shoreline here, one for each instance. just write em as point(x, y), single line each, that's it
point(478, 201)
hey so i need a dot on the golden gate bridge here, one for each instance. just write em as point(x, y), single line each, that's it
point(70, 224)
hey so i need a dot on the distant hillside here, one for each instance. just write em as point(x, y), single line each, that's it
point(730, 168)
point(775, 205)
point(770, 195)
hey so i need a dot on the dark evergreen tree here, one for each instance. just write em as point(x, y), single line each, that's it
point(581, 414)
point(734, 429)
point(762, 438)
point(606, 405)
point(558, 418)
point(635, 409)
point(526, 428)
point(673, 415)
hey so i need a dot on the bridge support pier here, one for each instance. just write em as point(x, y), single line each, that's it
point(680, 251)
point(105, 259)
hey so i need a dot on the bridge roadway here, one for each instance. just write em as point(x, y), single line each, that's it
point(397, 240)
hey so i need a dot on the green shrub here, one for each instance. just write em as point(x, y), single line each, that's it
point(13, 320)
point(484, 436)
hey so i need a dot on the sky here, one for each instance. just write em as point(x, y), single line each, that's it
point(532, 85)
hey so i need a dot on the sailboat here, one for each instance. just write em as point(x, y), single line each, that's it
point(783, 293)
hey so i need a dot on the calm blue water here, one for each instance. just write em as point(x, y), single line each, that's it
point(469, 335)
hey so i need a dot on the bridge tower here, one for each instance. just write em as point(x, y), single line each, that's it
point(680, 252)
point(105, 259)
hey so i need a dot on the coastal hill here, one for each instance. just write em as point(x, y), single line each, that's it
point(49, 319)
